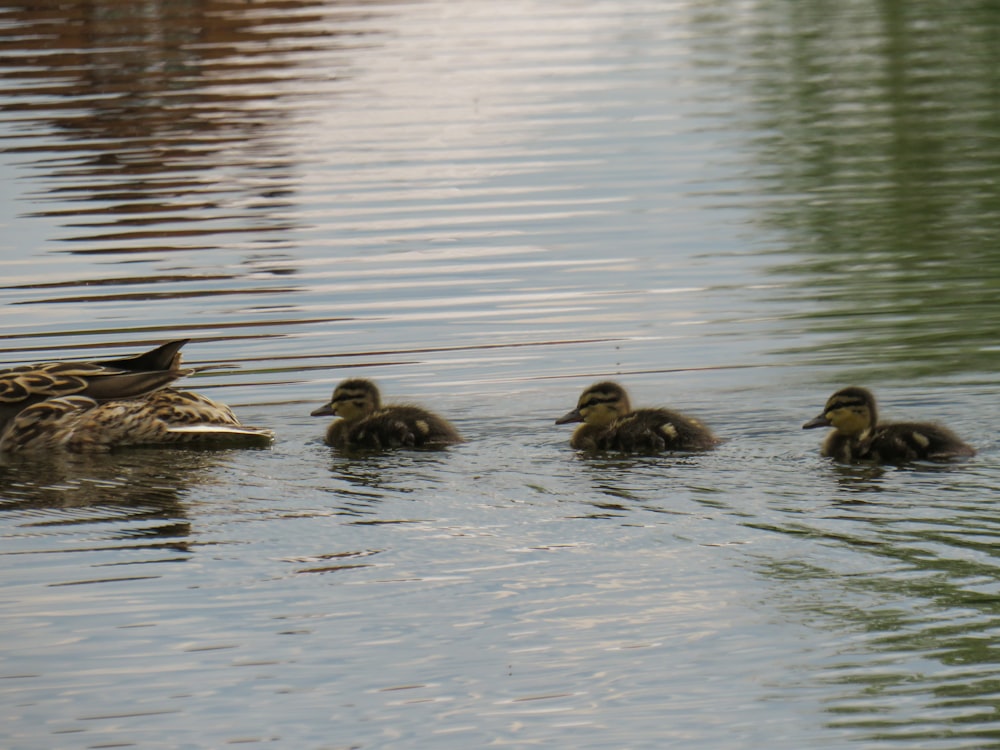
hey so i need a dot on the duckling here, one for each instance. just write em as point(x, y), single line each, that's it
point(97, 406)
point(366, 424)
point(610, 424)
point(857, 435)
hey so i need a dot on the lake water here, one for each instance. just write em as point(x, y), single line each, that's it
point(732, 208)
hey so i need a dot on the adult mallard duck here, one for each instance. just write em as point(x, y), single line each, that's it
point(610, 424)
point(857, 435)
point(97, 406)
point(365, 424)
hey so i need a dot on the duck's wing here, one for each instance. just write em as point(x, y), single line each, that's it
point(81, 424)
point(190, 416)
point(22, 387)
point(117, 379)
point(103, 381)
point(44, 426)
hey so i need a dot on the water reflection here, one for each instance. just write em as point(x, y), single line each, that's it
point(294, 166)
point(858, 479)
point(882, 151)
point(132, 500)
point(152, 479)
point(364, 479)
point(667, 484)
point(333, 562)
point(159, 107)
point(912, 573)
point(473, 205)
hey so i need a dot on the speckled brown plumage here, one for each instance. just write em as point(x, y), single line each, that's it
point(366, 424)
point(97, 406)
point(859, 436)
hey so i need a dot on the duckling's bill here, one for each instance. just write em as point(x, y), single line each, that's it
point(817, 421)
point(570, 416)
point(326, 410)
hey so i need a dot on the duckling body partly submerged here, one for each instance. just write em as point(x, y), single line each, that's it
point(857, 434)
point(365, 424)
point(97, 406)
point(610, 424)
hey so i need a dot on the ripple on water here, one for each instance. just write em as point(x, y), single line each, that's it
point(487, 211)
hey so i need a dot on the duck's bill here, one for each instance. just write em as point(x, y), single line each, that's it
point(326, 410)
point(819, 421)
point(570, 416)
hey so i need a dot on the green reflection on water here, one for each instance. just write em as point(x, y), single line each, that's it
point(880, 149)
point(923, 662)
point(878, 156)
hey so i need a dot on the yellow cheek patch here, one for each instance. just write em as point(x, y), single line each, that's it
point(599, 414)
point(850, 420)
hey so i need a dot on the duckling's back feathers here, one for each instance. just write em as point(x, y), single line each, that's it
point(654, 431)
point(400, 426)
point(899, 442)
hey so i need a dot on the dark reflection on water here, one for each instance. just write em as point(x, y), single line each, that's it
point(334, 562)
point(132, 505)
point(621, 485)
point(363, 479)
point(147, 117)
point(156, 129)
point(147, 482)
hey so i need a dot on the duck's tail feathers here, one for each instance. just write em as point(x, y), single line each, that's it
point(163, 357)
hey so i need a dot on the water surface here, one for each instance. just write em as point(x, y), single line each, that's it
point(732, 208)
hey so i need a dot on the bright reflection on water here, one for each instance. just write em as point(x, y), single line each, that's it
point(732, 208)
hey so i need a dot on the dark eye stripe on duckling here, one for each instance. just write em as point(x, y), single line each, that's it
point(602, 399)
point(845, 403)
point(347, 396)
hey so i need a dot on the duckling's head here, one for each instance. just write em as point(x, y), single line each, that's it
point(599, 405)
point(850, 411)
point(351, 400)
